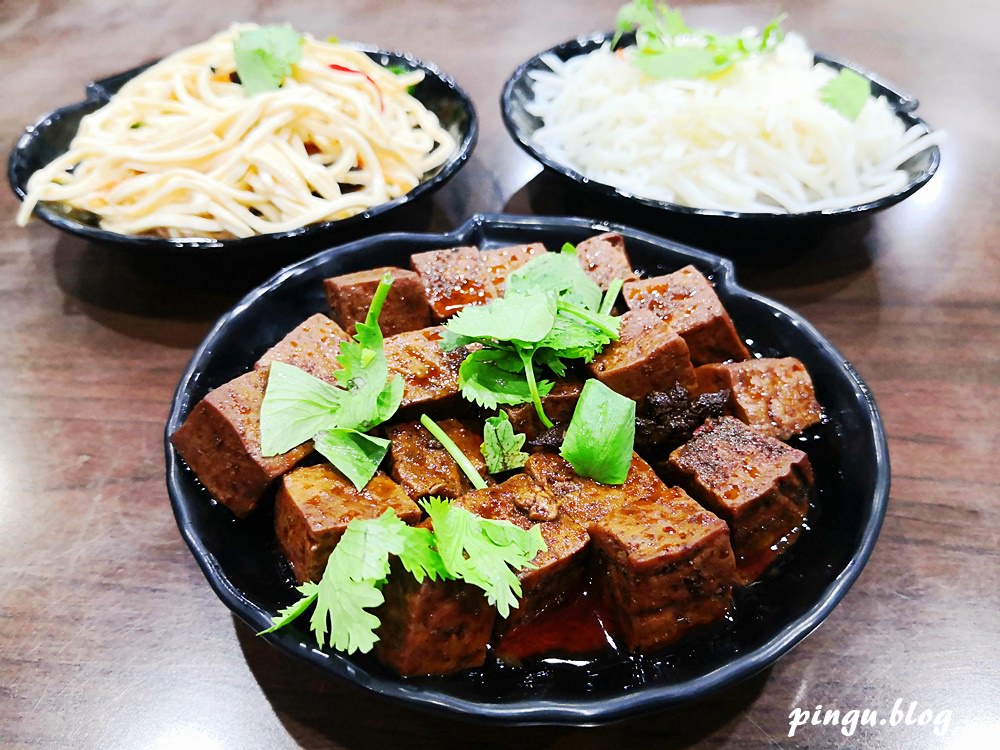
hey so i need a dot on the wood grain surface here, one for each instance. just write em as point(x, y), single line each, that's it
point(110, 636)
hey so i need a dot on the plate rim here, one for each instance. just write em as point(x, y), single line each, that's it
point(537, 712)
point(96, 94)
point(903, 105)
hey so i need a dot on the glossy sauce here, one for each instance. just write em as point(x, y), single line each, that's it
point(582, 626)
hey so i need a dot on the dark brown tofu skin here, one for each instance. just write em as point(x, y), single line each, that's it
point(432, 627)
point(604, 259)
point(559, 405)
point(430, 374)
point(405, 307)
point(461, 276)
point(313, 346)
point(424, 468)
point(686, 300)
point(587, 500)
point(313, 506)
point(499, 263)
point(649, 356)
point(663, 566)
point(774, 396)
point(220, 441)
point(757, 483)
point(558, 570)
point(452, 279)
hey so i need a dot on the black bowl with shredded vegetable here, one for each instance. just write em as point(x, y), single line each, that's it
point(519, 92)
point(51, 135)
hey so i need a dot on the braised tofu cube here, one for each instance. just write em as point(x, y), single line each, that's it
point(587, 500)
point(604, 259)
point(648, 356)
point(686, 300)
point(757, 483)
point(558, 571)
point(461, 276)
point(220, 441)
point(424, 468)
point(663, 566)
point(405, 307)
point(313, 506)
point(432, 627)
point(430, 374)
point(452, 279)
point(559, 405)
point(499, 263)
point(312, 346)
point(774, 396)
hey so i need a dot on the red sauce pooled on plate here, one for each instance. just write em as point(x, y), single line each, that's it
point(580, 626)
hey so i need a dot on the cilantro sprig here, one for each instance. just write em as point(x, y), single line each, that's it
point(551, 312)
point(483, 552)
point(353, 578)
point(668, 48)
point(454, 451)
point(298, 406)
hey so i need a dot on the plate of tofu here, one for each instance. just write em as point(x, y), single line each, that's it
point(754, 497)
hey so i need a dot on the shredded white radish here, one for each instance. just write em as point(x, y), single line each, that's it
point(756, 138)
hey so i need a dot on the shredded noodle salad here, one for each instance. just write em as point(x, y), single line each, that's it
point(756, 138)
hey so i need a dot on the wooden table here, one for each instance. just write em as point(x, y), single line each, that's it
point(110, 636)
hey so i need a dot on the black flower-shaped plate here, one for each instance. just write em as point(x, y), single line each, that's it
point(848, 453)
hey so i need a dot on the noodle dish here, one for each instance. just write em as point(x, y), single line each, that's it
point(256, 132)
point(750, 124)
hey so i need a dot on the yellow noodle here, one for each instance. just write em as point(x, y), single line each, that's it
point(205, 159)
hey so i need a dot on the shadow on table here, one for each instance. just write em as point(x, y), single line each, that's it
point(320, 711)
point(767, 254)
point(115, 285)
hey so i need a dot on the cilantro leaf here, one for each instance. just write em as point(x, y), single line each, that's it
point(502, 446)
point(486, 378)
point(419, 556)
point(600, 437)
point(454, 451)
point(355, 454)
point(579, 333)
point(296, 406)
point(309, 593)
point(483, 552)
point(265, 55)
point(661, 54)
point(341, 610)
point(680, 62)
point(524, 318)
point(847, 93)
point(557, 273)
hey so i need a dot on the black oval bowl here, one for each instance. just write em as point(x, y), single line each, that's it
point(518, 91)
point(848, 452)
point(51, 136)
